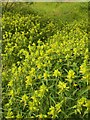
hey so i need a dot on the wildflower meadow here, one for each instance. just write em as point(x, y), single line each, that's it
point(44, 67)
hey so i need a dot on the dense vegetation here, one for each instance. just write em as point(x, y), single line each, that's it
point(45, 67)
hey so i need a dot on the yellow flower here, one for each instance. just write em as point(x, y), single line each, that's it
point(49, 51)
point(42, 90)
point(28, 81)
point(39, 64)
point(39, 76)
point(24, 99)
point(41, 53)
point(62, 86)
point(19, 69)
point(57, 106)
point(18, 115)
point(11, 93)
point(83, 69)
point(35, 100)
point(51, 111)
point(9, 114)
point(74, 84)
point(32, 106)
point(10, 83)
point(81, 101)
point(54, 110)
point(46, 75)
point(32, 71)
point(71, 74)
point(88, 105)
point(60, 60)
point(57, 73)
point(41, 116)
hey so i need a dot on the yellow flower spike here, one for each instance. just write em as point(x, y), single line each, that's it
point(28, 81)
point(9, 114)
point(13, 68)
point(57, 73)
point(60, 60)
point(32, 71)
point(57, 106)
point(18, 115)
point(42, 90)
point(51, 111)
point(32, 117)
point(11, 93)
point(33, 97)
point(46, 75)
point(41, 53)
point(88, 105)
point(10, 83)
point(49, 51)
point(41, 116)
point(38, 64)
point(43, 87)
point(83, 69)
point(32, 106)
point(70, 76)
point(82, 101)
point(36, 92)
point(62, 86)
point(39, 76)
point(19, 69)
point(58, 52)
point(74, 84)
point(24, 99)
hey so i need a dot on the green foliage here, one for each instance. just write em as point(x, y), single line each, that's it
point(45, 70)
